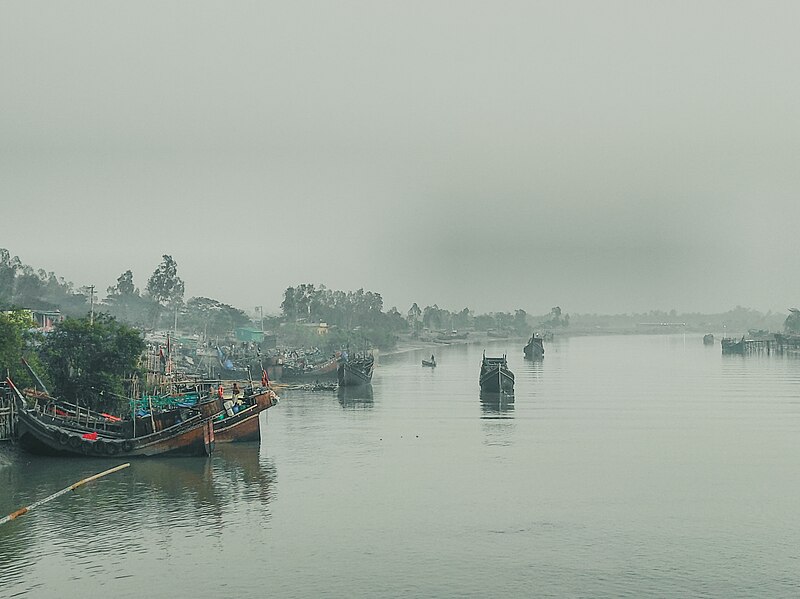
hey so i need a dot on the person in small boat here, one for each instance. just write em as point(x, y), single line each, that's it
point(235, 391)
point(433, 360)
point(220, 391)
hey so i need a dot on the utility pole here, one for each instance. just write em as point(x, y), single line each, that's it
point(91, 305)
point(261, 311)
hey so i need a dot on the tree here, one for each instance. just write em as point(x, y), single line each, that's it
point(212, 317)
point(792, 322)
point(16, 338)
point(289, 305)
point(89, 363)
point(165, 287)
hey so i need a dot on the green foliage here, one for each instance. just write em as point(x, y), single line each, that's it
point(16, 339)
point(792, 322)
point(555, 319)
point(126, 303)
point(23, 286)
point(88, 364)
point(164, 285)
point(211, 317)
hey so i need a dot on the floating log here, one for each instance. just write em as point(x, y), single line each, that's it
point(72, 487)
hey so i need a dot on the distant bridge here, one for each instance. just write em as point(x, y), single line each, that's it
point(661, 324)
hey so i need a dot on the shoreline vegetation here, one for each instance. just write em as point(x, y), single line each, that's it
point(51, 322)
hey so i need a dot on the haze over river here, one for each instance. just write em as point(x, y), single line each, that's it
point(625, 466)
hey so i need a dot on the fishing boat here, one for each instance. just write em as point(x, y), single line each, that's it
point(235, 418)
point(732, 346)
point(495, 375)
point(534, 349)
point(354, 371)
point(240, 421)
point(430, 363)
point(708, 339)
point(58, 428)
point(317, 372)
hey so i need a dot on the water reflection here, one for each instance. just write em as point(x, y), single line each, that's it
point(355, 397)
point(496, 405)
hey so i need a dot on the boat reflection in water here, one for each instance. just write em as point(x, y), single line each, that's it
point(497, 405)
point(355, 397)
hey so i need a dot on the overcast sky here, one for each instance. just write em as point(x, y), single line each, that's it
point(600, 156)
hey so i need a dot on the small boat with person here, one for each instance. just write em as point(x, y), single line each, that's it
point(495, 375)
point(430, 363)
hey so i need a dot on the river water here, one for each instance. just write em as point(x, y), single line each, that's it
point(624, 466)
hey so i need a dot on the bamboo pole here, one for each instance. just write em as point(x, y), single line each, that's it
point(25, 510)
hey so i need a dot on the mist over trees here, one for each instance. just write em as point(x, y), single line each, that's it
point(352, 316)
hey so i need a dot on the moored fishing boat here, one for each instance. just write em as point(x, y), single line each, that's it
point(241, 422)
point(317, 372)
point(354, 371)
point(57, 428)
point(732, 346)
point(534, 349)
point(495, 375)
point(708, 339)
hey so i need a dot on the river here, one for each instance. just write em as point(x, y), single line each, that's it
point(624, 466)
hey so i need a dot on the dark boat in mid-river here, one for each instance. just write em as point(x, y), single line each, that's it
point(57, 428)
point(534, 349)
point(356, 370)
point(495, 375)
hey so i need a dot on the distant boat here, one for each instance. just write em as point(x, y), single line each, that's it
point(732, 346)
point(430, 364)
point(355, 371)
point(534, 350)
point(708, 339)
point(495, 375)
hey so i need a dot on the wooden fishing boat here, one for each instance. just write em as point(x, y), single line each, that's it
point(495, 375)
point(57, 428)
point(243, 424)
point(319, 372)
point(355, 371)
point(732, 346)
point(429, 363)
point(534, 349)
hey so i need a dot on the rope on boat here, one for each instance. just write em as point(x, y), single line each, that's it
point(25, 510)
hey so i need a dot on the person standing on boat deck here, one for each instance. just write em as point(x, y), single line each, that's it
point(432, 358)
point(220, 391)
point(235, 391)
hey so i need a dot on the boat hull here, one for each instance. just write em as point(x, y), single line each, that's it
point(244, 425)
point(497, 380)
point(41, 435)
point(324, 372)
point(355, 373)
point(534, 350)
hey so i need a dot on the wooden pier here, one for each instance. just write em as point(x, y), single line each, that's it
point(8, 416)
point(774, 344)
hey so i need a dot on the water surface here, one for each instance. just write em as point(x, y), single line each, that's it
point(623, 466)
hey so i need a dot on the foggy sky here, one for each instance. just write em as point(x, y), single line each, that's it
point(604, 157)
